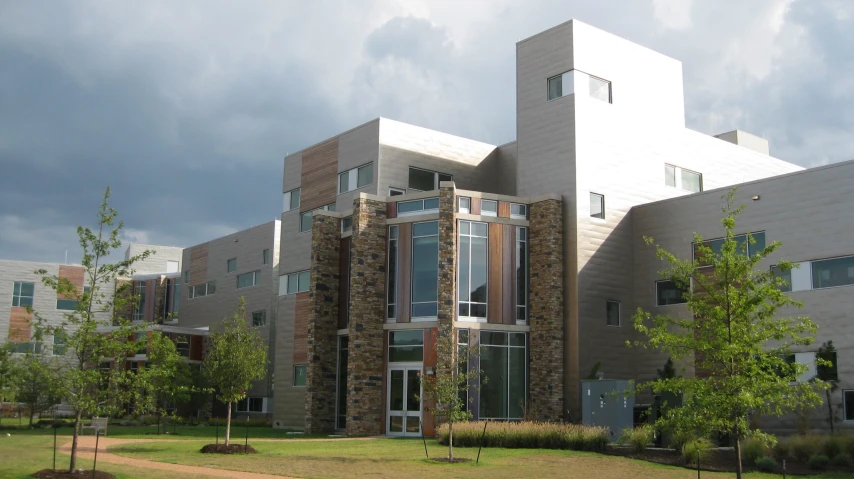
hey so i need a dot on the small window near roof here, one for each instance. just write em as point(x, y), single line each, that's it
point(555, 87)
point(600, 89)
point(597, 206)
point(465, 204)
point(488, 208)
point(518, 211)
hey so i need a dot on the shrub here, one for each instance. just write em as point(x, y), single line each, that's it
point(767, 464)
point(803, 447)
point(527, 435)
point(753, 449)
point(818, 462)
point(638, 438)
point(833, 446)
point(692, 447)
point(841, 459)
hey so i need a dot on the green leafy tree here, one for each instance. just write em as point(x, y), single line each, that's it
point(735, 340)
point(7, 372)
point(237, 357)
point(35, 381)
point(447, 387)
point(92, 381)
point(164, 379)
point(827, 373)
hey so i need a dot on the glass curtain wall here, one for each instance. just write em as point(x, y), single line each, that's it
point(472, 269)
point(425, 269)
point(503, 361)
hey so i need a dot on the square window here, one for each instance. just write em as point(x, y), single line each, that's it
point(612, 311)
point(465, 204)
point(488, 208)
point(597, 206)
point(555, 87)
point(518, 211)
point(259, 318)
point(600, 89)
point(22, 294)
point(344, 182)
point(300, 375)
point(231, 265)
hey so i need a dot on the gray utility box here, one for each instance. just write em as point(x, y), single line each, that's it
point(608, 403)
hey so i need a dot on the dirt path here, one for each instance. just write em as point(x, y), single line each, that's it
point(86, 450)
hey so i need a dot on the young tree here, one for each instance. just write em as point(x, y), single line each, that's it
point(735, 340)
point(93, 379)
point(446, 388)
point(237, 356)
point(163, 379)
point(7, 372)
point(34, 382)
point(828, 374)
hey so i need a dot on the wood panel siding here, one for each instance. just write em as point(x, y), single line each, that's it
point(404, 273)
point(74, 274)
point(494, 272)
point(504, 209)
point(508, 296)
point(199, 264)
point(391, 209)
point(344, 283)
point(197, 346)
point(20, 325)
point(475, 206)
point(301, 329)
point(319, 179)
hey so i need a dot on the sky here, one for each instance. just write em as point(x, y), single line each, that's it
point(187, 109)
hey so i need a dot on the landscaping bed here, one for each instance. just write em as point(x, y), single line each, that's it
point(230, 449)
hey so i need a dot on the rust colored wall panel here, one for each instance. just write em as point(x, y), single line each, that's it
point(404, 275)
point(75, 274)
point(508, 297)
point(319, 175)
point(475, 206)
point(344, 283)
point(493, 306)
point(503, 209)
point(197, 346)
point(391, 209)
point(20, 325)
point(301, 329)
point(199, 264)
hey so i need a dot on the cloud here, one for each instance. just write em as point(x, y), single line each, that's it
point(675, 14)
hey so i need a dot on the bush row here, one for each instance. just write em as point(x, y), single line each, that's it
point(532, 435)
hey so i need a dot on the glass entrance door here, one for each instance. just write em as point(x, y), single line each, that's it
point(404, 404)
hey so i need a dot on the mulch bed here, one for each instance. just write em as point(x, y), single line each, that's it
point(230, 449)
point(59, 474)
point(717, 460)
point(455, 461)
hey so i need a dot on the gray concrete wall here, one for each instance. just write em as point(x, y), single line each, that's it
point(508, 159)
point(809, 212)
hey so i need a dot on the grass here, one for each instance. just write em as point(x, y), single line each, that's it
point(22, 456)
point(149, 432)
point(393, 458)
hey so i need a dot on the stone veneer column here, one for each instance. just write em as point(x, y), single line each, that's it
point(365, 368)
point(322, 325)
point(447, 256)
point(546, 316)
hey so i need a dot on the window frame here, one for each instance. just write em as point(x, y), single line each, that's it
point(353, 178)
point(304, 368)
point(677, 178)
point(20, 295)
point(708, 244)
point(657, 282)
point(265, 256)
point(422, 211)
point(436, 178)
point(344, 228)
point(558, 77)
point(484, 211)
point(412, 302)
point(517, 216)
point(460, 208)
point(591, 78)
point(192, 293)
point(231, 265)
point(263, 315)
point(469, 303)
point(288, 199)
point(813, 264)
point(845, 407)
point(256, 279)
point(296, 274)
point(526, 272)
point(608, 304)
point(392, 278)
point(139, 295)
point(523, 370)
point(601, 215)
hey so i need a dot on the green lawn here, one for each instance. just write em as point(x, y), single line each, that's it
point(395, 458)
point(149, 432)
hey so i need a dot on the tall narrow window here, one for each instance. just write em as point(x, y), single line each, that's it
point(472, 269)
point(425, 269)
point(597, 206)
point(231, 265)
point(612, 313)
point(341, 386)
point(139, 301)
point(521, 273)
point(670, 175)
point(265, 256)
point(503, 362)
point(305, 221)
point(391, 312)
point(347, 225)
point(555, 87)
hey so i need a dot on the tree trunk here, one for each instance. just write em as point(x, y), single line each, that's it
point(73, 464)
point(738, 470)
point(829, 410)
point(451, 441)
point(228, 424)
point(31, 418)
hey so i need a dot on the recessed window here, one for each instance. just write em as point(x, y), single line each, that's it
point(834, 272)
point(426, 180)
point(600, 89)
point(250, 405)
point(555, 87)
point(347, 225)
point(668, 292)
point(294, 283)
point(265, 256)
point(464, 204)
point(22, 294)
point(521, 273)
point(138, 300)
point(300, 375)
point(406, 345)
point(291, 199)
point(425, 270)
point(503, 360)
point(245, 280)
point(518, 211)
point(683, 179)
point(488, 208)
point(259, 318)
point(612, 313)
point(394, 191)
point(355, 178)
point(231, 265)
point(472, 269)
point(597, 206)
point(200, 290)
point(418, 207)
point(391, 290)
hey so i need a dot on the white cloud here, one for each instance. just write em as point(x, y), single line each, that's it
point(674, 14)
